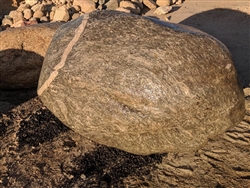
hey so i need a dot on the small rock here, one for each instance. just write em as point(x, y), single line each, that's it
point(130, 6)
point(44, 19)
point(31, 2)
point(38, 7)
point(51, 15)
point(16, 16)
point(7, 20)
point(38, 14)
point(85, 5)
point(76, 15)
point(112, 4)
point(163, 3)
point(22, 7)
point(27, 14)
point(61, 14)
point(163, 10)
point(150, 4)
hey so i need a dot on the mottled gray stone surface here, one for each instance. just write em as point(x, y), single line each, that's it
point(140, 85)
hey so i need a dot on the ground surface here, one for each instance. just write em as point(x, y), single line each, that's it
point(36, 150)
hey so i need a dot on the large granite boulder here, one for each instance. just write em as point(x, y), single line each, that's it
point(22, 51)
point(140, 84)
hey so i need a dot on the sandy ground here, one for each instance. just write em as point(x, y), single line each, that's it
point(37, 150)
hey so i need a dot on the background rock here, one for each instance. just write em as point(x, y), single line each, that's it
point(136, 102)
point(22, 51)
point(86, 5)
point(163, 3)
point(61, 14)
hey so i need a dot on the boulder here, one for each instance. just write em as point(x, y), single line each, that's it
point(22, 51)
point(141, 85)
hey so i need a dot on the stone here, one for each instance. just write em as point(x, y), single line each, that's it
point(85, 5)
point(153, 86)
point(150, 4)
point(61, 14)
point(163, 10)
point(27, 14)
point(112, 4)
point(31, 2)
point(16, 16)
point(163, 3)
point(22, 51)
point(51, 15)
point(22, 7)
point(44, 19)
point(37, 7)
point(75, 15)
point(7, 20)
point(38, 14)
point(130, 6)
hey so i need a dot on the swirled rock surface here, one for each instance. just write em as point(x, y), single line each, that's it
point(140, 85)
point(22, 51)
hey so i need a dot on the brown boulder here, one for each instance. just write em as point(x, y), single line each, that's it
point(140, 84)
point(22, 51)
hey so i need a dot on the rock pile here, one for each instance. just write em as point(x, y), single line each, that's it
point(127, 87)
point(39, 11)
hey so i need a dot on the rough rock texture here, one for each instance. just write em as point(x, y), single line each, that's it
point(163, 3)
point(153, 86)
point(22, 51)
point(37, 150)
point(86, 5)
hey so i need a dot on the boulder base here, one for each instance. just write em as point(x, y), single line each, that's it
point(140, 84)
